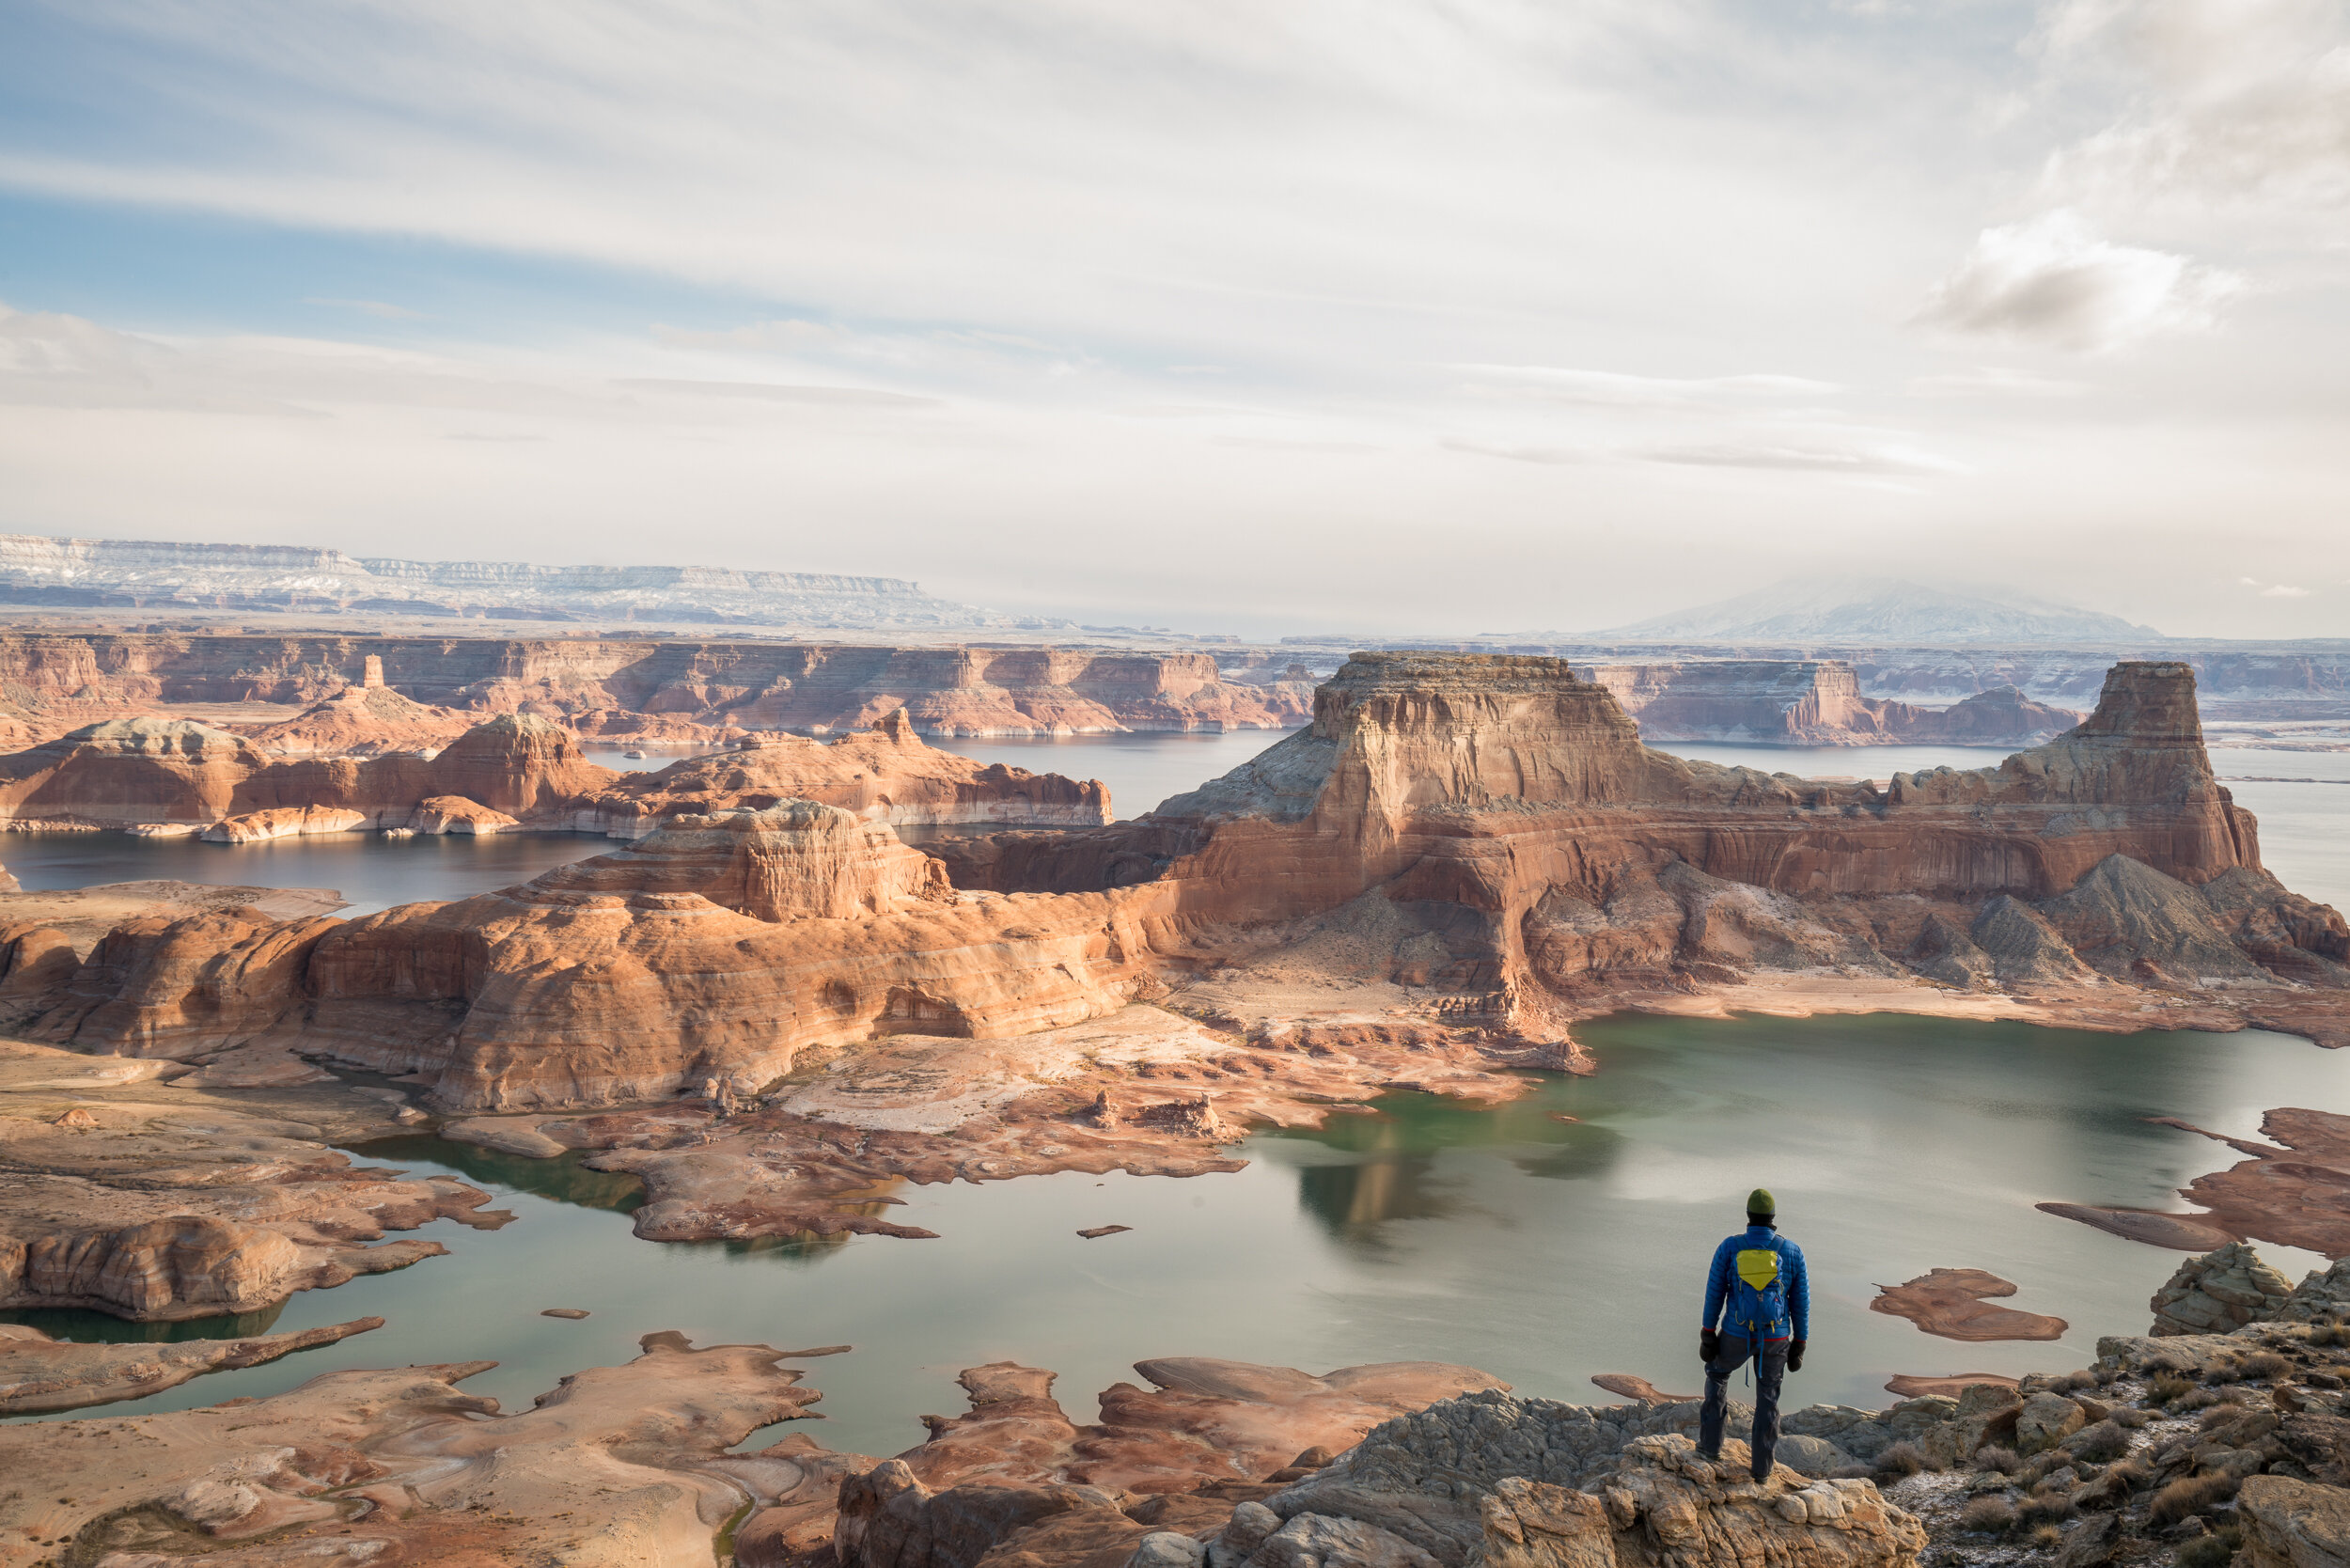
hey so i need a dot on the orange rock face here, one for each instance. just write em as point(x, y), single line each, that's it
point(134, 771)
point(365, 720)
point(886, 774)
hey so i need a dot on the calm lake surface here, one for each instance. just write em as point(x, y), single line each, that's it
point(1540, 1249)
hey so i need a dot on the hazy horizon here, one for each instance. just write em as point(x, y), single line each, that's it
point(1389, 316)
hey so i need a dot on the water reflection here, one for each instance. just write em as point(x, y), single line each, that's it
point(83, 1327)
point(565, 1178)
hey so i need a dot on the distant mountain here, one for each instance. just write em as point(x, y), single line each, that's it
point(135, 575)
point(1878, 610)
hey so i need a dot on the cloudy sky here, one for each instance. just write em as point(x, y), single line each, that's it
point(1442, 316)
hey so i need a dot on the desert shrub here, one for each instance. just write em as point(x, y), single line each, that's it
point(1987, 1515)
point(2101, 1443)
point(2129, 1419)
point(2265, 1367)
point(1902, 1459)
point(2189, 1496)
point(1997, 1456)
point(2219, 1415)
point(2113, 1487)
point(2073, 1382)
point(2194, 1398)
point(2167, 1387)
point(2210, 1551)
point(2048, 1503)
point(2329, 1334)
point(2047, 1537)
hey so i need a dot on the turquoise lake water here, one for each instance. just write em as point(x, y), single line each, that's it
point(1539, 1249)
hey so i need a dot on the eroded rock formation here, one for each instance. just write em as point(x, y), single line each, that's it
point(617, 1465)
point(161, 1203)
point(612, 685)
point(1812, 702)
point(130, 771)
point(884, 773)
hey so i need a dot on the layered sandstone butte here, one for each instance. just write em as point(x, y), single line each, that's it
point(885, 772)
point(512, 770)
point(1507, 811)
point(1812, 702)
point(130, 771)
point(57, 682)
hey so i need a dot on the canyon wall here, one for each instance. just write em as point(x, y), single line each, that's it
point(620, 685)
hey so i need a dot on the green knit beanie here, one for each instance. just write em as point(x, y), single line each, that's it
point(1760, 1201)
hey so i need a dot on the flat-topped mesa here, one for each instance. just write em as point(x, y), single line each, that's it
point(1417, 730)
point(884, 774)
point(795, 860)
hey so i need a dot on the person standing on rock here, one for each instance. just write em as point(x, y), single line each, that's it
point(1757, 1293)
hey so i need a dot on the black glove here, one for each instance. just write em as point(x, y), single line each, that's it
point(1709, 1346)
point(1795, 1355)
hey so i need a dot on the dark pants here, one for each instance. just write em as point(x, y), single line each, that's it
point(1770, 1370)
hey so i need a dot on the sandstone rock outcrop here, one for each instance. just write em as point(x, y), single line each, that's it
point(886, 774)
point(1489, 1475)
point(615, 685)
point(2224, 1289)
point(1952, 1303)
point(39, 1375)
point(362, 720)
point(512, 770)
point(1812, 702)
point(445, 814)
point(1015, 1474)
point(284, 822)
point(130, 771)
point(163, 1205)
point(617, 1465)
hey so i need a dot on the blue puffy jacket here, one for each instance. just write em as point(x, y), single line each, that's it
point(1722, 1281)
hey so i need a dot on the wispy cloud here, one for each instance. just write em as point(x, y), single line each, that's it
point(2052, 282)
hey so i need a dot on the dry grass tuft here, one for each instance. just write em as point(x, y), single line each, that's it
point(1987, 1515)
point(1902, 1459)
point(2101, 1444)
point(2167, 1387)
point(2189, 1496)
point(1997, 1456)
point(2265, 1367)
